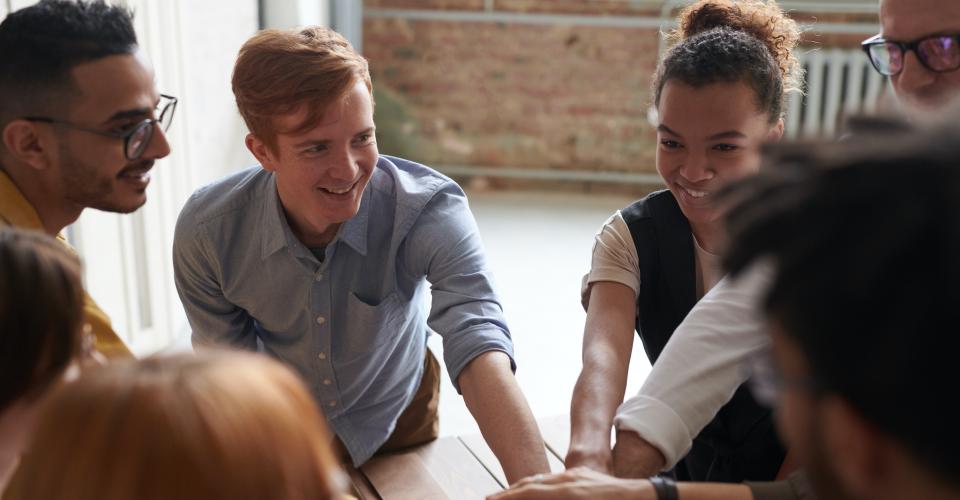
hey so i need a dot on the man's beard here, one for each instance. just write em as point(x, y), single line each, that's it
point(87, 187)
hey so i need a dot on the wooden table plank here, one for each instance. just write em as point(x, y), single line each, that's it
point(442, 469)
point(401, 476)
point(360, 485)
point(476, 444)
point(556, 434)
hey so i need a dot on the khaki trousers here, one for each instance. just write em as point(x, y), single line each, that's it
point(419, 423)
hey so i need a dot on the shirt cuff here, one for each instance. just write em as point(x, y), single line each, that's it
point(613, 275)
point(656, 423)
point(459, 352)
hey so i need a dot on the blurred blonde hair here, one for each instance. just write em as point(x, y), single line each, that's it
point(216, 425)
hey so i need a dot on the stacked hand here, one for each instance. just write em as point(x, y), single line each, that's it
point(577, 483)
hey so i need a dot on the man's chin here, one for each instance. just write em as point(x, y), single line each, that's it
point(119, 205)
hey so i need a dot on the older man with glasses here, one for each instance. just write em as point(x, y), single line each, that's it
point(81, 122)
point(918, 49)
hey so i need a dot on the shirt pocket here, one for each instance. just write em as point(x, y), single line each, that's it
point(370, 327)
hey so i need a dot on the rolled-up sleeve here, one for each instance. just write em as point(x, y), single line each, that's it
point(701, 366)
point(465, 309)
point(213, 319)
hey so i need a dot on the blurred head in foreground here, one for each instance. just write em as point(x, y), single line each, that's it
point(216, 425)
point(41, 320)
point(864, 237)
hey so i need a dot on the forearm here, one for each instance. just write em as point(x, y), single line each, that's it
point(500, 409)
point(607, 343)
point(599, 390)
point(713, 491)
point(635, 458)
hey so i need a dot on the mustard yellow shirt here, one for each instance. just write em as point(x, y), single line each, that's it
point(16, 211)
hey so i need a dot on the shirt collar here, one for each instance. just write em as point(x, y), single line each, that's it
point(353, 232)
point(275, 231)
point(15, 210)
point(272, 221)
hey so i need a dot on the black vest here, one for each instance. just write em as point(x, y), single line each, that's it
point(741, 442)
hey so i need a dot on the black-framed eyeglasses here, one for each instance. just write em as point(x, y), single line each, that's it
point(137, 137)
point(937, 53)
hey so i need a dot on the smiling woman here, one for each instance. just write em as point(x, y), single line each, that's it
point(719, 95)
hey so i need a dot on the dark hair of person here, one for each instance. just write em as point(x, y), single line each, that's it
point(864, 237)
point(41, 312)
point(40, 44)
point(726, 41)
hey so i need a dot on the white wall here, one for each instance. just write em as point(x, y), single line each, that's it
point(193, 45)
point(7, 6)
point(293, 13)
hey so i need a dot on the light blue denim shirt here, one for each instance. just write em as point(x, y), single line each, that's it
point(354, 326)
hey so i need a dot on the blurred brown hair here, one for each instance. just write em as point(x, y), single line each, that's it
point(41, 312)
point(280, 71)
point(216, 425)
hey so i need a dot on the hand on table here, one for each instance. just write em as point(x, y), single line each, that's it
point(577, 483)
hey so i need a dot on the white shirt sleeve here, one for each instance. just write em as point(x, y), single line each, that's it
point(614, 258)
point(701, 366)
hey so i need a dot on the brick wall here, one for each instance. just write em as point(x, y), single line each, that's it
point(519, 91)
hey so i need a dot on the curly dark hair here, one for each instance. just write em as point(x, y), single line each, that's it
point(731, 41)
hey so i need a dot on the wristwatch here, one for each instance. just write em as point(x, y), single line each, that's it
point(665, 488)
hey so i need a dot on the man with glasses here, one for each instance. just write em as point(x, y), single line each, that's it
point(700, 368)
point(81, 122)
point(919, 49)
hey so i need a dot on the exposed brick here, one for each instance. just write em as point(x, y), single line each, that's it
point(830, 40)
point(527, 95)
point(516, 95)
point(425, 4)
point(590, 7)
point(834, 17)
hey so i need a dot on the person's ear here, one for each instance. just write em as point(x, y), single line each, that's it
point(857, 450)
point(262, 152)
point(776, 132)
point(27, 144)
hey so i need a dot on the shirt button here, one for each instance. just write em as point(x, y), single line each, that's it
point(321, 320)
point(319, 276)
point(333, 403)
point(323, 355)
point(327, 381)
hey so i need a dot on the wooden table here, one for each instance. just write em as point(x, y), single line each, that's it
point(457, 467)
